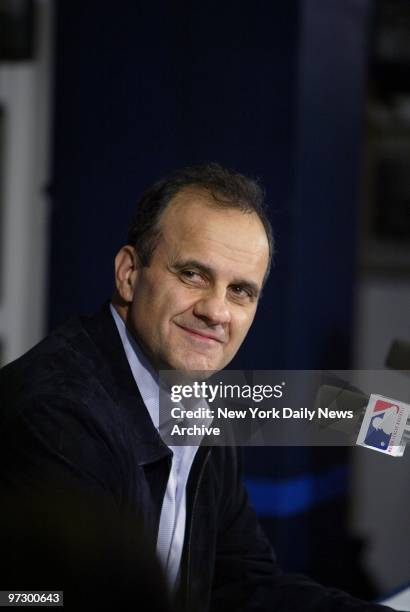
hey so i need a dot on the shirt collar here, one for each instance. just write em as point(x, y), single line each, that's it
point(147, 380)
point(145, 376)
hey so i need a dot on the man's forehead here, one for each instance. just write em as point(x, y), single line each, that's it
point(217, 237)
point(195, 206)
point(187, 198)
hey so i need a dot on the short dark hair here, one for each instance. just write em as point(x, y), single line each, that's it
point(227, 188)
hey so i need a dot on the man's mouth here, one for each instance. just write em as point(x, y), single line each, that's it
point(201, 335)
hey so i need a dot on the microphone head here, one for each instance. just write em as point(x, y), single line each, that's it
point(341, 400)
point(338, 398)
point(398, 357)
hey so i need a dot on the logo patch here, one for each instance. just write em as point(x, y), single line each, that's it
point(383, 425)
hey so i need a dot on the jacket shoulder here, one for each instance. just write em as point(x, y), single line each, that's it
point(60, 365)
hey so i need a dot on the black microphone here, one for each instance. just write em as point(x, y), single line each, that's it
point(398, 357)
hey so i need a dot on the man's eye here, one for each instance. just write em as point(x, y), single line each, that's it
point(190, 275)
point(240, 292)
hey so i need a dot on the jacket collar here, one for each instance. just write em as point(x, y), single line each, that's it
point(101, 340)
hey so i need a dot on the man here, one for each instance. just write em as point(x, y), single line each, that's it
point(80, 410)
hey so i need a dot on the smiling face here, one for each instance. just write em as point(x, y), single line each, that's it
point(192, 306)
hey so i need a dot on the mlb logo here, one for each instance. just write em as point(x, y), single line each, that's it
point(383, 425)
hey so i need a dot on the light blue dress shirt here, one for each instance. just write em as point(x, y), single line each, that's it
point(171, 530)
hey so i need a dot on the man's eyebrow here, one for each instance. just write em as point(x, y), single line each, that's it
point(192, 263)
point(252, 287)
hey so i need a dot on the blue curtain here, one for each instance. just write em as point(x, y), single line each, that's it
point(273, 89)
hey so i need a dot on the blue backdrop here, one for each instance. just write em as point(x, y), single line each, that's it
point(273, 89)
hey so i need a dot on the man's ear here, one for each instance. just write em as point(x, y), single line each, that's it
point(126, 272)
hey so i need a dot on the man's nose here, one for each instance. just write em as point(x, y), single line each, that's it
point(213, 307)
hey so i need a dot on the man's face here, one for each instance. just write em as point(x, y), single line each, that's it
point(192, 307)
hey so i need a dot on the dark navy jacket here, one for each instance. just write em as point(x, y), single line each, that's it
point(73, 422)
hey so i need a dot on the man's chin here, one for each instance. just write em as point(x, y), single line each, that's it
point(194, 367)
